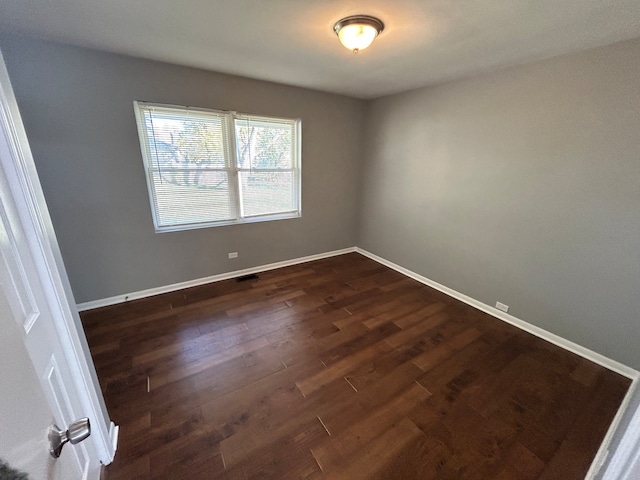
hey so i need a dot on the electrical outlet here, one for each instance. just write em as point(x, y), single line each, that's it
point(233, 255)
point(502, 306)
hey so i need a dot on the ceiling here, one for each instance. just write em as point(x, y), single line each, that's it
point(292, 42)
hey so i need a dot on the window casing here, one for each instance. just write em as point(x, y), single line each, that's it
point(209, 168)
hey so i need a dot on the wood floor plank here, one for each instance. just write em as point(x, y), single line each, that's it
point(340, 447)
point(406, 321)
point(228, 337)
point(379, 453)
point(391, 315)
point(339, 369)
point(416, 330)
point(288, 457)
point(241, 448)
point(583, 434)
point(258, 398)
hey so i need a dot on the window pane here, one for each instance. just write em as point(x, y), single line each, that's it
point(185, 197)
point(182, 140)
point(263, 144)
point(267, 193)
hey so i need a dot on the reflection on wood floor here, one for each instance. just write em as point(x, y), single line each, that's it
point(340, 368)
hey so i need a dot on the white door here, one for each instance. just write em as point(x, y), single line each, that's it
point(46, 372)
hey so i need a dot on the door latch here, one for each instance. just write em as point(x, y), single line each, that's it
point(77, 432)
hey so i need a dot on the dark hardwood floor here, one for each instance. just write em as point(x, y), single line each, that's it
point(341, 368)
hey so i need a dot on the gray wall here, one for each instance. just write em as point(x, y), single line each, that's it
point(78, 113)
point(521, 186)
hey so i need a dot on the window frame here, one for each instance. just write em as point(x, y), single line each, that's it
point(231, 166)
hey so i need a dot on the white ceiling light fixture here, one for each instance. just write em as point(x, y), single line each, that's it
point(358, 31)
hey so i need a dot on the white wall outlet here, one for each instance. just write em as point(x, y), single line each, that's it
point(502, 306)
point(233, 255)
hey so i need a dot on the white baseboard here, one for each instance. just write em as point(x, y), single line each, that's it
point(114, 431)
point(105, 302)
point(537, 331)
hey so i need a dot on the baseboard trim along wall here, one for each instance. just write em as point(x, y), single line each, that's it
point(114, 431)
point(150, 292)
point(527, 327)
point(537, 331)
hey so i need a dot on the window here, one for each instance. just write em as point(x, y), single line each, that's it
point(208, 168)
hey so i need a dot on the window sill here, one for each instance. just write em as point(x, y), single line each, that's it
point(256, 219)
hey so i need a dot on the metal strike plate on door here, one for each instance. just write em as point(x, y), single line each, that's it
point(77, 432)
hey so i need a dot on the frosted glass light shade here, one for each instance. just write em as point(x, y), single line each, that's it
point(357, 37)
point(358, 32)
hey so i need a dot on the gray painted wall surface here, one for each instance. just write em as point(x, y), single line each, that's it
point(521, 186)
point(78, 112)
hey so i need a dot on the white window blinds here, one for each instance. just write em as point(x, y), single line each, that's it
point(207, 168)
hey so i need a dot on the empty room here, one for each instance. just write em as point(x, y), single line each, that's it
point(320, 239)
